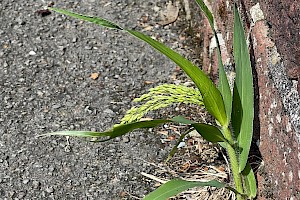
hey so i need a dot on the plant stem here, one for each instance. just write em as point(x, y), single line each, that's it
point(234, 164)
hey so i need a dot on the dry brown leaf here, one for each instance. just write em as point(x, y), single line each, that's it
point(185, 167)
point(221, 168)
point(171, 137)
point(148, 28)
point(163, 132)
point(123, 194)
point(144, 19)
point(146, 119)
point(94, 76)
point(157, 184)
point(148, 82)
point(170, 14)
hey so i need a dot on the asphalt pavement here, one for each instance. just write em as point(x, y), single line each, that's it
point(46, 63)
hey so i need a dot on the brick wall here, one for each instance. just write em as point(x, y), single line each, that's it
point(273, 29)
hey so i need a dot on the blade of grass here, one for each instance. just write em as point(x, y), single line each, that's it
point(227, 98)
point(209, 132)
point(243, 98)
point(95, 20)
point(116, 131)
point(212, 98)
point(174, 187)
point(250, 182)
point(174, 149)
point(182, 120)
point(223, 85)
point(207, 13)
point(211, 95)
point(122, 129)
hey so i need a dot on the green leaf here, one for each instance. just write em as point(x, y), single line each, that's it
point(182, 120)
point(243, 100)
point(224, 85)
point(116, 131)
point(212, 98)
point(250, 182)
point(223, 81)
point(223, 145)
point(174, 149)
point(207, 13)
point(95, 20)
point(174, 187)
point(209, 132)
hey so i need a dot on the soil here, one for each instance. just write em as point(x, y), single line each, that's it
point(58, 73)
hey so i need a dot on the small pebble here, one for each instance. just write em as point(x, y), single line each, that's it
point(32, 53)
point(126, 139)
point(181, 144)
point(49, 190)
point(25, 181)
point(125, 162)
point(74, 39)
point(56, 106)
point(21, 195)
point(36, 184)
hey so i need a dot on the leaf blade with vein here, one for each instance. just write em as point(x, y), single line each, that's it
point(243, 102)
point(250, 181)
point(211, 95)
point(174, 187)
point(209, 132)
point(223, 81)
point(116, 131)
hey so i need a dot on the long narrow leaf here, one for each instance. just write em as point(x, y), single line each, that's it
point(95, 20)
point(182, 120)
point(223, 81)
point(207, 13)
point(116, 131)
point(250, 182)
point(243, 101)
point(224, 86)
point(211, 96)
point(175, 148)
point(174, 187)
point(209, 132)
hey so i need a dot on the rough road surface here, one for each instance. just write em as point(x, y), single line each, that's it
point(45, 85)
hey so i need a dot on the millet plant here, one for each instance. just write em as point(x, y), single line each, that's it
point(232, 110)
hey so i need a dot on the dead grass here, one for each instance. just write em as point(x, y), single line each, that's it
point(198, 160)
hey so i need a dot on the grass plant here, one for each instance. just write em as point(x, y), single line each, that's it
point(233, 110)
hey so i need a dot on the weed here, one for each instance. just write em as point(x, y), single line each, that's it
point(233, 111)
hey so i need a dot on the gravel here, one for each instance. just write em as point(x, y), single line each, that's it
point(45, 85)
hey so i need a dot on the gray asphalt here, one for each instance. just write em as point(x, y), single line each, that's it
point(45, 86)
